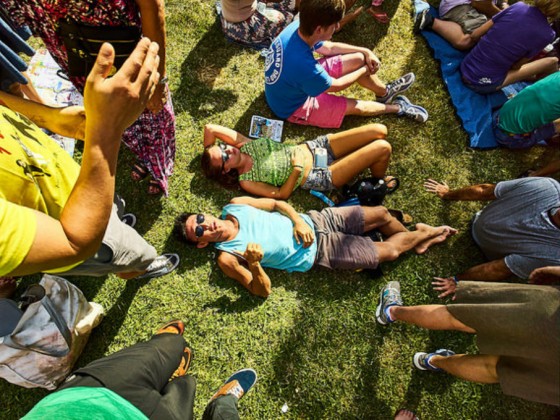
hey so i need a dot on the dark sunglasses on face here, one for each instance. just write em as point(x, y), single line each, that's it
point(199, 230)
point(225, 156)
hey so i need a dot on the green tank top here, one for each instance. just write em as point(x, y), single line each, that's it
point(271, 162)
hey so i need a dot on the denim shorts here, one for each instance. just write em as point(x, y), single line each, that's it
point(320, 179)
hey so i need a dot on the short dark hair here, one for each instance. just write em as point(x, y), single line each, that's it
point(323, 13)
point(179, 228)
point(228, 180)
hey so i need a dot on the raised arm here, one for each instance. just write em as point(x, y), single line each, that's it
point(213, 132)
point(68, 121)
point(152, 16)
point(480, 192)
point(252, 277)
point(78, 233)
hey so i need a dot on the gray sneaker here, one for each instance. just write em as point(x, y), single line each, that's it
point(408, 109)
point(396, 87)
point(390, 296)
point(423, 21)
point(162, 265)
point(422, 360)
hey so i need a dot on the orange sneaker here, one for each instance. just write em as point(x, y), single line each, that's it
point(184, 364)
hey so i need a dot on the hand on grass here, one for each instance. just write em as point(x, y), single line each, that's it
point(303, 232)
point(446, 286)
point(439, 189)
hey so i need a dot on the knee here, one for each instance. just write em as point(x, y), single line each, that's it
point(378, 131)
point(384, 148)
point(391, 254)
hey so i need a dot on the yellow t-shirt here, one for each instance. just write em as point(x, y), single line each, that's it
point(36, 173)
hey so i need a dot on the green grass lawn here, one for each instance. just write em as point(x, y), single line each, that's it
point(314, 342)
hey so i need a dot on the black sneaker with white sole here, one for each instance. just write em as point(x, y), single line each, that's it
point(396, 87)
point(408, 109)
point(423, 21)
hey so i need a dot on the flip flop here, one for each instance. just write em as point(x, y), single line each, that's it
point(154, 188)
point(138, 172)
point(381, 17)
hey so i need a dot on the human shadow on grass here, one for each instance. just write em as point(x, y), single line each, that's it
point(196, 93)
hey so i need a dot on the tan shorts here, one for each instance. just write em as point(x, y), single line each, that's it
point(467, 16)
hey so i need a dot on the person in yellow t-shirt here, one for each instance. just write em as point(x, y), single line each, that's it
point(56, 216)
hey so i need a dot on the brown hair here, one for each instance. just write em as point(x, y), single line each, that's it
point(323, 13)
point(229, 180)
point(549, 8)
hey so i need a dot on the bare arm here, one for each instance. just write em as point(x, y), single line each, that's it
point(496, 270)
point(227, 135)
point(549, 169)
point(480, 31)
point(334, 48)
point(253, 277)
point(78, 233)
point(262, 189)
point(486, 7)
point(480, 192)
point(152, 16)
point(69, 121)
point(302, 231)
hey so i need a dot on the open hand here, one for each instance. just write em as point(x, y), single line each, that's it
point(303, 232)
point(439, 189)
point(446, 286)
point(116, 102)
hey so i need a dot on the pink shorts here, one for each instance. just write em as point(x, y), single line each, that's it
point(325, 110)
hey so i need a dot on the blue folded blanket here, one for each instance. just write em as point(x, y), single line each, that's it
point(474, 110)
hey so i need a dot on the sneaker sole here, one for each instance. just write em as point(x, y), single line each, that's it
point(379, 308)
point(416, 361)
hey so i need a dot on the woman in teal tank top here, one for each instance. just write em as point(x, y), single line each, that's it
point(266, 168)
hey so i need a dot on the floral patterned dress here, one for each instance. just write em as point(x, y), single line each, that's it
point(152, 137)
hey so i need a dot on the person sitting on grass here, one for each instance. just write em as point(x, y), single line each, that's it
point(58, 216)
point(458, 20)
point(300, 89)
point(530, 117)
point(507, 43)
point(518, 232)
point(517, 334)
point(155, 386)
point(267, 168)
point(253, 234)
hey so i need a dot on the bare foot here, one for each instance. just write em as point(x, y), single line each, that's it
point(440, 234)
point(405, 415)
point(8, 286)
point(350, 17)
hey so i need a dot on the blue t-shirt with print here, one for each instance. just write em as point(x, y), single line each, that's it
point(291, 72)
point(274, 233)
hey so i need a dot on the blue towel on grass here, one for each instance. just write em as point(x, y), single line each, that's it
point(474, 110)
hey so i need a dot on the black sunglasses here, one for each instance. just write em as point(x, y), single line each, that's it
point(225, 156)
point(199, 230)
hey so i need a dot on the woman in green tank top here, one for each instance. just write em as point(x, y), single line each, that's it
point(265, 168)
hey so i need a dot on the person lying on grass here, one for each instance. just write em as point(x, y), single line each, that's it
point(517, 335)
point(267, 168)
point(506, 45)
point(253, 234)
point(519, 232)
point(300, 89)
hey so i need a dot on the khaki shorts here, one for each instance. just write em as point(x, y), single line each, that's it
point(467, 17)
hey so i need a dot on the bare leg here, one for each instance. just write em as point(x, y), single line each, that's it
point(401, 242)
point(369, 108)
point(349, 17)
point(379, 218)
point(351, 140)
point(453, 33)
point(431, 317)
point(375, 156)
point(475, 368)
point(130, 275)
point(529, 71)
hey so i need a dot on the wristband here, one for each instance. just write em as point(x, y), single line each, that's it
point(455, 279)
point(298, 166)
point(163, 80)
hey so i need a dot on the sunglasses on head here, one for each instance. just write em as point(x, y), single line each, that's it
point(225, 156)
